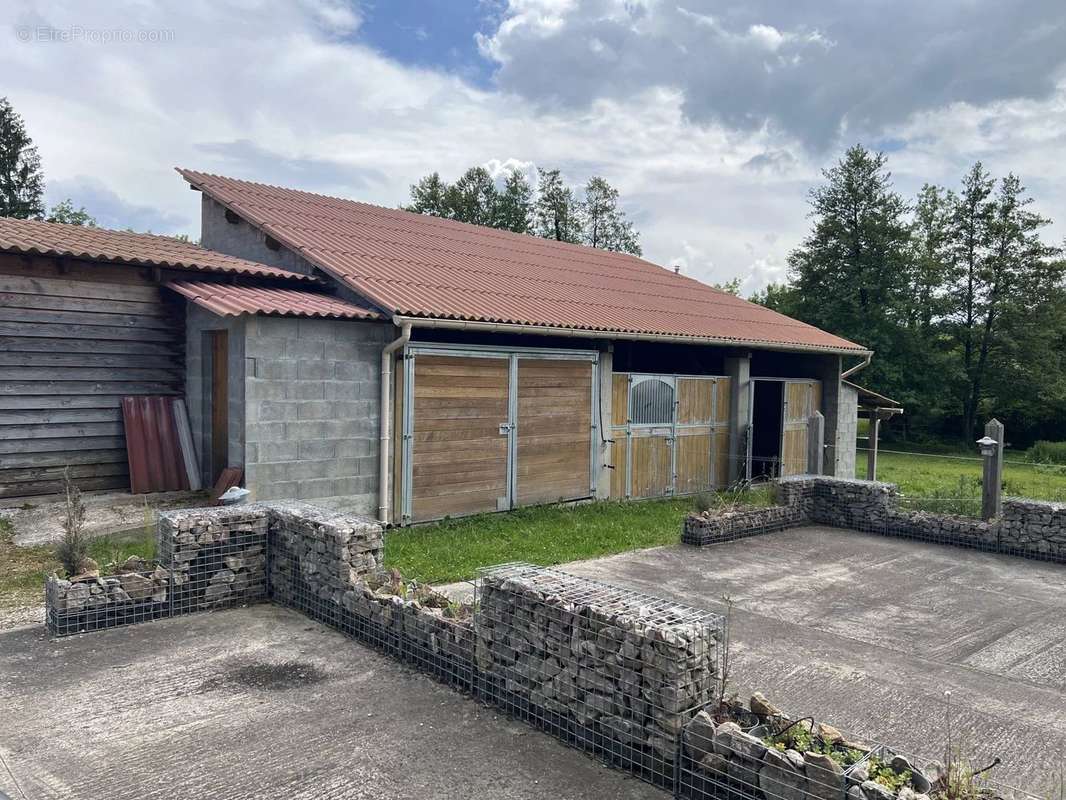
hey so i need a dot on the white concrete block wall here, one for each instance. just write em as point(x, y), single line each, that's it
point(312, 390)
point(847, 431)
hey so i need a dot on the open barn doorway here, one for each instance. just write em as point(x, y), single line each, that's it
point(766, 428)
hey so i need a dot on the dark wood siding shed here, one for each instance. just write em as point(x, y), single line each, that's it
point(75, 337)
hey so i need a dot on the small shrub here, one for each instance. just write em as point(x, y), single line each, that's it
point(73, 549)
point(1044, 452)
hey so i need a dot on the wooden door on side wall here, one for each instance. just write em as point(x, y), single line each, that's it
point(554, 430)
point(459, 451)
point(218, 398)
point(801, 400)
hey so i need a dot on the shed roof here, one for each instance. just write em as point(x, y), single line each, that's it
point(230, 300)
point(422, 266)
point(32, 237)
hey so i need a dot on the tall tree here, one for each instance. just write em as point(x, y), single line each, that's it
point(515, 205)
point(427, 196)
point(21, 178)
point(850, 273)
point(556, 214)
point(930, 256)
point(970, 233)
point(604, 224)
point(1011, 276)
point(472, 198)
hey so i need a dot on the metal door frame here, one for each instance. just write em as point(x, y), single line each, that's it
point(508, 427)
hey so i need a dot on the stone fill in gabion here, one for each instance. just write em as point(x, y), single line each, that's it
point(1028, 528)
point(329, 552)
point(610, 670)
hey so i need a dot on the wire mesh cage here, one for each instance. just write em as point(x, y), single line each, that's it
point(605, 669)
point(739, 755)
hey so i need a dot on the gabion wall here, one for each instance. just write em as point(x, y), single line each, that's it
point(1027, 528)
point(759, 752)
point(207, 558)
point(711, 528)
point(329, 567)
point(607, 670)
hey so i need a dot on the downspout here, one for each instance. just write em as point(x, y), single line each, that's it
point(858, 367)
point(386, 420)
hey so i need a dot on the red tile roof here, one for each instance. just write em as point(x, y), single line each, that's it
point(31, 237)
point(229, 300)
point(424, 266)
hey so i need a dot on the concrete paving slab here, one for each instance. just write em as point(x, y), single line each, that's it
point(868, 632)
point(260, 703)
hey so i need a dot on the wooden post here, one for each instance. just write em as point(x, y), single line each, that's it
point(992, 479)
point(815, 443)
point(871, 452)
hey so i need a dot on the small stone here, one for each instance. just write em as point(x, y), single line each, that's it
point(779, 778)
point(830, 734)
point(137, 586)
point(699, 736)
point(825, 776)
point(875, 791)
point(77, 596)
point(762, 707)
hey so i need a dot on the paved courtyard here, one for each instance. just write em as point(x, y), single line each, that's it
point(199, 707)
point(869, 632)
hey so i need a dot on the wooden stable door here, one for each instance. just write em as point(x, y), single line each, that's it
point(670, 434)
point(800, 400)
point(554, 431)
point(495, 431)
point(459, 454)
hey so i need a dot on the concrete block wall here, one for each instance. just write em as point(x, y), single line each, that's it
point(312, 392)
point(847, 432)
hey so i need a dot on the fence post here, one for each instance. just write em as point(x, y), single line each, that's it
point(815, 443)
point(871, 449)
point(992, 478)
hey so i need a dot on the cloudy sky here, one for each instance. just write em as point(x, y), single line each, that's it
point(712, 118)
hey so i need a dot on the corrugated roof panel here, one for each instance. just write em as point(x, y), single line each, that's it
point(230, 300)
point(416, 265)
point(31, 237)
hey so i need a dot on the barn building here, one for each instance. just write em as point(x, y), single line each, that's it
point(400, 365)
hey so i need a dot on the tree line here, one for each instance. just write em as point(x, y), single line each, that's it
point(591, 216)
point(961, 299)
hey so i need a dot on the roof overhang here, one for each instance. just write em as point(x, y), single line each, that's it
point(587, 333)
point(874, 403)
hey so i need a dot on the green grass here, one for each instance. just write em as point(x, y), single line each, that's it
point(23, 569)
point(453, 550)
point(941, 481)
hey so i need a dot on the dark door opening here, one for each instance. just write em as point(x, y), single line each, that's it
point(767, 403)
point(216, 403)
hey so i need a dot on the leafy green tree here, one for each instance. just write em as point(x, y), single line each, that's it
point(21, 178)
point(930, 255)
point(1006, 275)
point(732, 286)
point(514, 208)
point(65, 212)
point(472, 198)
point(604, 224)
point(780, 297)
point(850, 273)
point(427, 196)
point(556, 214)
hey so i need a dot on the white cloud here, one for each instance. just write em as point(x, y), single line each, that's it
point(272, 92)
